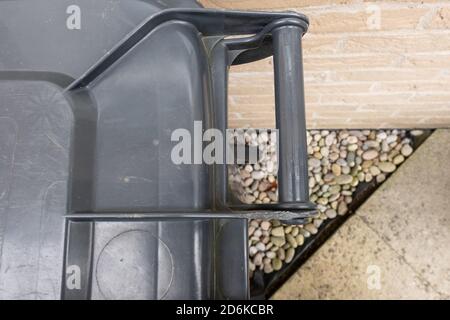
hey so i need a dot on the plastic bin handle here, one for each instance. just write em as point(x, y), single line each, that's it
point(290, 114)
point(279, 36)
point(282, 38)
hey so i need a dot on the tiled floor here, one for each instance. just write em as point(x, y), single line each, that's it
point(397, 246)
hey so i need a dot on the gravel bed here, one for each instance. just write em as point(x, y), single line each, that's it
point(339, 160)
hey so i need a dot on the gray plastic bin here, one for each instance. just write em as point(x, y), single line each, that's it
point(91, 207)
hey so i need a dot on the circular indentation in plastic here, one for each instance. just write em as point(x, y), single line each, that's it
point(134, 265)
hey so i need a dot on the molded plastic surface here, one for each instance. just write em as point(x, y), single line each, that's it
point(91, 205)
point(148, 259)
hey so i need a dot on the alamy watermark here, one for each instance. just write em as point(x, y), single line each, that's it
point(373, 277)
point(73, 277)
point(374, 20)
point(212, 146)
point(73, 21)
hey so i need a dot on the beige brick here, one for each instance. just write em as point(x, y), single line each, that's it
point(364, 99)
point(431, 97)
point(441, 19)
point(262, 115)
point(313, 44)
point(356, 21)
point(416, 86)
point(435, 121)
point(243, 123)
point(255, 110)
point(270, 4)
point(405, 108)
point(239, 78)
point(251, 90)
point(396, 43)
point(345, 114)
point(420, 86)
point(337, 88)
point(400, 74)
point(262, 100)
point(286, 4)
point(348, 62)
point(428, 60)
point(380, 124)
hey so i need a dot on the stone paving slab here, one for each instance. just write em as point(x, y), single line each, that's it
point(397, 246)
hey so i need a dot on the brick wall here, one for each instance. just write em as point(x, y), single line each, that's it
point(367, 64)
